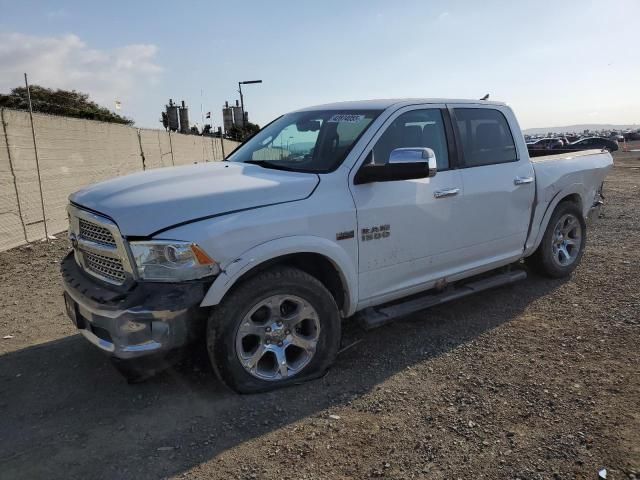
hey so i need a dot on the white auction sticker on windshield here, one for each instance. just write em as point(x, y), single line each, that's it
point(345, 117)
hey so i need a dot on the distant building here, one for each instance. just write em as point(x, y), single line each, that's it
point(232, 116)
point(184, 118)
point(175, 118)
point(227, 117)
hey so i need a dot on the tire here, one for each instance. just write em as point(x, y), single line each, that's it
point(549, 259)
point(247, 357)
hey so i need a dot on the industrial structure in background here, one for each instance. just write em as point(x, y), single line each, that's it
point(176, 118)
point(234, 117)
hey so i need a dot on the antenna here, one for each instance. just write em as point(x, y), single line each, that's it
point(486, 97)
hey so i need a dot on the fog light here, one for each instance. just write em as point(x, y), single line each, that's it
point(133, 327)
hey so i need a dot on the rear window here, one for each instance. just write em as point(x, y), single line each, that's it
point(485, 136)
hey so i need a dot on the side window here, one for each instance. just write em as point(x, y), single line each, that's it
point(485, 136)
point(417, 128)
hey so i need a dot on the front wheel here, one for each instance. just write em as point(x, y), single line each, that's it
point(277, 328)
point(562, 245)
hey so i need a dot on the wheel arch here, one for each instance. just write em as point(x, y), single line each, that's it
point(572, 193)
point(317, 256)
point(573, 198)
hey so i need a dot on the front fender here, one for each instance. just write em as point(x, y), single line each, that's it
point(285, 246)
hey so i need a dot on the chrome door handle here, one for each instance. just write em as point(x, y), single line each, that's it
point(447, 192)
point(522, 180)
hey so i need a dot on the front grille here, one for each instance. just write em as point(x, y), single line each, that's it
point(99, 248)
point(95, 233)
point(110, 268)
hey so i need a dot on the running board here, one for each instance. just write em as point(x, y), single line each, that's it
point(374, 317)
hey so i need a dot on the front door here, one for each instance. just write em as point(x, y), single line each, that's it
point(407, 229)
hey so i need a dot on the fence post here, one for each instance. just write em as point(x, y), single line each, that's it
point(35, 151)
point(144, 167)
point(173, 162)
point(221, 141)
point(160, 149)
point(13, 175)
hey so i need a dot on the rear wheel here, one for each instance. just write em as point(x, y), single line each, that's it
point(280, 327)
point(562, 245)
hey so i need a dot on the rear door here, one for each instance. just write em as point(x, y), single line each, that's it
point(498, 184)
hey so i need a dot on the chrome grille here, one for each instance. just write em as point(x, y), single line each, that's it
point(99, 248)
point(108, 267)
point(95, 233)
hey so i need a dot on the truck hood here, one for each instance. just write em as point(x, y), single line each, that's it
point(143, 203)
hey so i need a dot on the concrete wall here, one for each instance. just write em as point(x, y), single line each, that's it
point(72, 154)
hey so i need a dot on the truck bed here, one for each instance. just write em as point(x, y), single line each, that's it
point(562, 174)
point(584, 171)
point(560, 153)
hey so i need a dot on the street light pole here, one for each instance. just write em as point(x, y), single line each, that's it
point(246, 82)
point(241, 102)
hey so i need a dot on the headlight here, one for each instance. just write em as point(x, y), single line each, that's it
point(172, 260)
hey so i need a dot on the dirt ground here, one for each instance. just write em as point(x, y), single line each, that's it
point(533, 381)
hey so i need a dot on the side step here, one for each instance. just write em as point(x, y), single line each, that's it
point(374, 317)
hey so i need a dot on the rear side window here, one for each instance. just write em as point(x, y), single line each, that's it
point(485, 136)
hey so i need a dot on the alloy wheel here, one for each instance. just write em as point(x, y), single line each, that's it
point(567, 240)
point(278, 337)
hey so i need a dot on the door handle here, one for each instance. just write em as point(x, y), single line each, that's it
point(447, 192)
point(522, 180)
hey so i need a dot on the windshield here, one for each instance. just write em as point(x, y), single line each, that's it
point(312, 141)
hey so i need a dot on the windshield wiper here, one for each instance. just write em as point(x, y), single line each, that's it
point(268, 164)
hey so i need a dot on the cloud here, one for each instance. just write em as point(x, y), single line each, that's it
point(443, 16)
point(67, 62)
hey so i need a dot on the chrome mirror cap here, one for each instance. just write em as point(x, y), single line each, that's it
point(415, 155)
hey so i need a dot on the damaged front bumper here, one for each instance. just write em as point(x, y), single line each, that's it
point(136, 320)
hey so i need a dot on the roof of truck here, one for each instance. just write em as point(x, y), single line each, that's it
point(382, 104)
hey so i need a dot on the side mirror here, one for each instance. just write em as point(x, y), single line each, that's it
point(403, 164)
point(415, 155)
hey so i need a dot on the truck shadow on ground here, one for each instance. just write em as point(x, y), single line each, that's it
point(65, 412)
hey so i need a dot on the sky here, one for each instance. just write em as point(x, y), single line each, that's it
point(555, 62)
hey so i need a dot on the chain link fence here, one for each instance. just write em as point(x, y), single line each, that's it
point(73, 153)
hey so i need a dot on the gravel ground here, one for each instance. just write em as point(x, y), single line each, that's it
point(536, 380)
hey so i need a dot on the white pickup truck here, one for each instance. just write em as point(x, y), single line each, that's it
point(370, 209)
